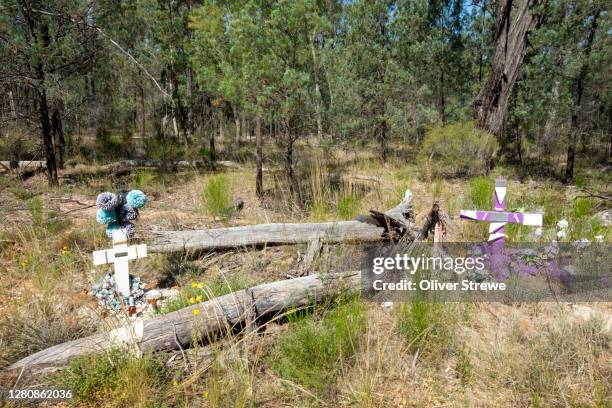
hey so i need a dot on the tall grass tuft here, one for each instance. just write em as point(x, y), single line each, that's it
point(217, 196)
point(481, 193)
point(429, 326)
point(312, 352)
point(347, 205)
point(319, 191)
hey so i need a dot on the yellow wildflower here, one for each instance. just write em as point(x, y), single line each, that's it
point(200, 285)
point(192, 300)
point(205, 394)
point(196, 312)
point(199, 298)
point(193, 284)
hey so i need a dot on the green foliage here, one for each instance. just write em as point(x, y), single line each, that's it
point(347, 206)
point(457, 150)
point(312, 351)
point(481, 193)
point(582, 207)
point(217, 196)
point(142, 178)
point(116, 377)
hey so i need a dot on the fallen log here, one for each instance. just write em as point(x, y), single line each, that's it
point(216, 317)
point(394, 224)
point(125, 166)
point(6, 165)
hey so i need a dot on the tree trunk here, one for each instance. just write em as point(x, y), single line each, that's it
point(442, 101)
point(519, 142)
point(212, 148)
point(510, 39)
point(12, 104)
point(47, 134)
point(289, 165)
point(236, 124)
point(58, 135)
point(259, 150)
point(382, 138)
point(317, 87)
point(579, 86)
point(41, 94)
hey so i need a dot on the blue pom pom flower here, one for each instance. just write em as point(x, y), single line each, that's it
point(111, 228)
point(136, 199)
point(106, 216)
point(107, 201)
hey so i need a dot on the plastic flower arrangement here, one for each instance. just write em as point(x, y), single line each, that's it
point(116, 211)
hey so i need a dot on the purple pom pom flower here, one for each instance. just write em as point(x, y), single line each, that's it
point(107, 201)
point(127, 213)
point(129, 229)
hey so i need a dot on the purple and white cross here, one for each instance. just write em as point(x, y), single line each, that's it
point(500, 216)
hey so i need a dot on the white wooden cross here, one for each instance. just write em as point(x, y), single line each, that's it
point(119, 255)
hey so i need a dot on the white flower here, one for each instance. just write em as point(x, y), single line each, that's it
point(561, 234)
point(562, 224)
point(387, 305)
point(538, 232)
point(599, 238)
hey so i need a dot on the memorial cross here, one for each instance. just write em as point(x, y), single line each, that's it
point(119, 255)
point(500, 216)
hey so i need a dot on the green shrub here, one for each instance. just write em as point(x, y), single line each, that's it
point(457, 150)
point(312, 351)
point(217, 196)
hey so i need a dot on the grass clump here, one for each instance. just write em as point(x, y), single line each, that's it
point(33, 326)
point(566, 364)
point(481, 193)
point(347, 206)
point(217, 196)
point(142, 178)
point(428, 326)
point(457, 150)
point(115, 377)
point(312, 352)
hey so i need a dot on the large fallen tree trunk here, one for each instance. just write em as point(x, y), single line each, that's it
point(393, 224)
point(6, 166)
point(216, 317)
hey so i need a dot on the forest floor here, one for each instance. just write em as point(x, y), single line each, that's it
point(349, 352)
